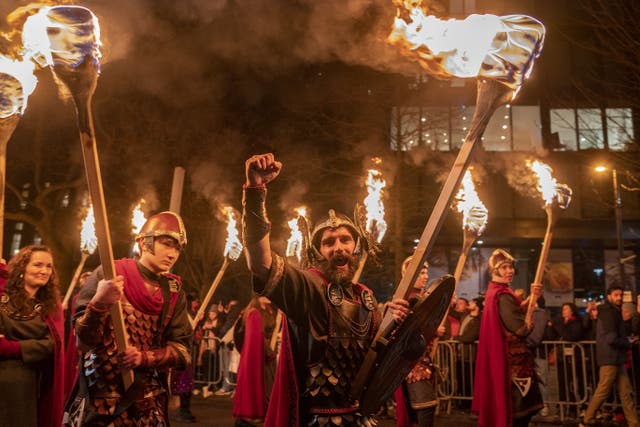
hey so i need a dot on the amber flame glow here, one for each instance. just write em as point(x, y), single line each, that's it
point(88, 239)
point(376, 224)
point(62, 35)
point(233, 246)
point(17, 82)
point(137, 218)
point(497, 47)
point(474, 212)
point(294, 243)
point(548, 186)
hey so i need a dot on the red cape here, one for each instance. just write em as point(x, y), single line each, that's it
point(51, 402)
point(284, 404)
point(250, 401)
point(492, 385)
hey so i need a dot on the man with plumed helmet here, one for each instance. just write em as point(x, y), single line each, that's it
point(330, 321)
point(155, 314)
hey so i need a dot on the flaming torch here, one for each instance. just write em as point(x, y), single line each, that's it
point(376, 226)
point(499, 52)
point(67, 38)
point(503, 54)
point(474, 219)
point(555, 196)
point(17, 82)
point(138, 219)
point(88, 244)
point(295, 242)
point(232, 251)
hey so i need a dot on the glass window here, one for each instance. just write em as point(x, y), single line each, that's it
point(404, 128)
point(497, 136)
point(460, 121)
point(434, 125)
point(563, 123)
point(527, 127)
point(590, 128)
point(619, 128)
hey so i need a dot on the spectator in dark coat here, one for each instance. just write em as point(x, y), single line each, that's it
point(612, 344)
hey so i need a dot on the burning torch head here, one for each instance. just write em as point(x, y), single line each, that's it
point(334, 220)
point(499, 257)
point(163, 224)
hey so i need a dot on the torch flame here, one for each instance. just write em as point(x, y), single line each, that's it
point(376, 224)
point(474, 212)
point(498, 47)
point(137, 218)
point(548, 186)
point(17, 82)
point(233, 246)
point(88, 239)
point(62, 35)
point(294, 243)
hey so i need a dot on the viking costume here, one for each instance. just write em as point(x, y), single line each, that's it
point(33, 377)
point(326, 335)
point(506, 387)
point(417, 396)
point(156, 324)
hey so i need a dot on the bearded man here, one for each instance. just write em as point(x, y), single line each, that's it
point(330, 321)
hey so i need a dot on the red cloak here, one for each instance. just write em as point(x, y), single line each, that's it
point(250, 400)
point(492, 385)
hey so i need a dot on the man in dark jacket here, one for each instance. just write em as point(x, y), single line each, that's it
point(612, 344)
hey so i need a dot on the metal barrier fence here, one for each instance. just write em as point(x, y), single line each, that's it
point(568, 371)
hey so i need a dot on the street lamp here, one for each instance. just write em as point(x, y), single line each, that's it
point(618, 212)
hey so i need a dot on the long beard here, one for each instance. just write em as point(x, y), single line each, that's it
point(337, 275)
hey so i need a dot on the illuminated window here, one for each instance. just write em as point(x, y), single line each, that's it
point(445, 128)
point(583, 128)
point(563, 123)
point(619, 128)
point(590, 134)
point(527, 127)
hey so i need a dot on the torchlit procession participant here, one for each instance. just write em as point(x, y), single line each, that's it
point(330, 322)
point(155, 312)
point(257, 364)
point(506, 390)
point(32, 370)
point(416, 399)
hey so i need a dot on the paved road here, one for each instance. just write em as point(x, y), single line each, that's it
point(215, 411)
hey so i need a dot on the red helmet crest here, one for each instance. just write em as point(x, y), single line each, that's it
point(164, 224)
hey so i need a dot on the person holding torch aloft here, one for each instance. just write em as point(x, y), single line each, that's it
point(330, 321)
point(154, 306)
point(506, 390)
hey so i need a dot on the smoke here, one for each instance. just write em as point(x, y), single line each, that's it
point(188, 40)
point(293, 197)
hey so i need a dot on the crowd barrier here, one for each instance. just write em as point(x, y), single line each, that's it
point(568, 372)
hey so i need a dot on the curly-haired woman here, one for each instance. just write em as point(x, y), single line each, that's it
point(31, 342)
